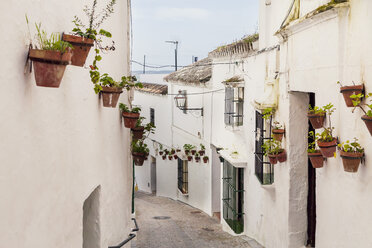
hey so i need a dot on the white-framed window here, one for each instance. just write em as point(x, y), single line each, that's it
point(234, 101)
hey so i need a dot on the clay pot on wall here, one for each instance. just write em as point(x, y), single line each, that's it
point(201, 152)
point(137, 132)
point(197, 159)
point(278, 134)
point(189, 158)
point(368, 121)
point(282, 157)
point(205, 159)
point(273, 158)
point(130, 119)
point(175, 156)
point(193, 152)
point(110, 96)
point(170, 157)
point(316, 120)
point(316, 159)
point(161, 153)
point(164, 157)
point(347, 91)
point(351, 160)
point(81, 49)
point(187, 152)
point(327, 149)
point(138, 158)
point(49, 66)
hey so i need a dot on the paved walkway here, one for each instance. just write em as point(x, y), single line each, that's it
point(181, 227)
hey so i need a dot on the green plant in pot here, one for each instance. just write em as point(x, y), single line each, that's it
point(49, 57)
point(348, 91)
point(316, 116)
point(277, 131)
point(86, 35)
point(139, 130)
point(325, 140)
point(139, 152)
point(267, 113)
point(197, 157)
point(161, 152)
point(187, 148)
point(273, 149)
point(131, 116)
point(314, 154)
point(367, 117)
point(351, 154)
point(205, 159)
point(202, 150)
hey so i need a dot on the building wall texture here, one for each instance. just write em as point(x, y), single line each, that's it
point(58, 145)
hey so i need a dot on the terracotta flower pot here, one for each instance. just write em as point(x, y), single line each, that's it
point(193, 152)
point(189, 158)
point(368, 121)
point(110, 96)
point(282, 157)
point(316, 120)
point(164, 157)
point(178, 150)
point(278, 134)
point(351, 160)
point(327, 149)
point(173, 152)
point(201, 152)
point(138, 158)
point(130, 119)
point(175, 156)
point(347, 91)
point(197, 159)
point(205, 160)
point(81, 48)
point(161, 153)
point(49, 66)
point(137, 132)
point(316, 159)
point(273, 158)
point(170, 157)
point(187, 152)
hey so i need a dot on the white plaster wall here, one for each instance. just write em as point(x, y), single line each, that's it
point(58, 145)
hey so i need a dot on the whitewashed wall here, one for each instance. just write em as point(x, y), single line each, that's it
point(58, 145)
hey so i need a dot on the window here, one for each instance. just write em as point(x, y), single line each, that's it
point(233, 196)
point(234, 99)
point(263, 169)
point(183, 174)
point(152, 116)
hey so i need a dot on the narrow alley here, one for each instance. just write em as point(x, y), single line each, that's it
point(165, 223)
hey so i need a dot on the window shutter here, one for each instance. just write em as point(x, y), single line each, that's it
point(229, 108)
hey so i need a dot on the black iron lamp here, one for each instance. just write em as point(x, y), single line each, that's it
point(181, 100)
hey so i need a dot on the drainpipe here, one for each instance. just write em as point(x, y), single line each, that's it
point(133, 190)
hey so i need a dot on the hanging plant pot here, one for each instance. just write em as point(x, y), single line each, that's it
point(178, 150)
point(347, 91)
point(161, 153)
point(49, 66)
point(278, 134)
point(130, 119)
point(273, 158)
point(189, 158)
point(316, 120)
point(173, 151)
point(282, 157)
point(201, 152)
point(187, 152)
point(138, 158)
point(351, 160)
point(81, 49)
point(110, 96)
point(175, 156)
point(170, 157)
point(328, 149)
point(316, 159)
point(193, 152)
point(368, 121)
point(205, 159)
point(137, 132)
point(164, 157)
point(197, 159)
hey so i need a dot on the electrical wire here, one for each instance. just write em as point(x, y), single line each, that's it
point(200, 93)
point(184, 66)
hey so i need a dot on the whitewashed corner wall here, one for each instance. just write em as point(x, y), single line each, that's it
point(58, 145)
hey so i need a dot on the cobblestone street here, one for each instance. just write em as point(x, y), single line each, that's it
point(165, 223)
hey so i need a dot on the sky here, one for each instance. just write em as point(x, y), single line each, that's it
point(199, 26)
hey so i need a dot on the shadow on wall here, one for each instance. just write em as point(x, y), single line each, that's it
point(91, 220)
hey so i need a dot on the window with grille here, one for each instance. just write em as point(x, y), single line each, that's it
point(152, 116)
point(183, 174)
point(263, 169)
point(234, 100)
point(233, 196)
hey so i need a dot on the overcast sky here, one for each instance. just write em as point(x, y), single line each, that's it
point(199, 25)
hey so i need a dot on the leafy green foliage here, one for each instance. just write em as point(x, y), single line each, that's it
point(267, 113)
point(272, 147)
point(357, 99)
point(140, 146)
point(123, 107)
point(329, 109)
point(326, 135)
point(312, 145)
point(316, 110)
point(188, 147)
point(202, 147)
point(353, 146)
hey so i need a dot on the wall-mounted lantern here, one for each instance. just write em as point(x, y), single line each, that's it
point(181, 100)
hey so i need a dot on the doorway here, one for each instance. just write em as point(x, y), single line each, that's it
point(311, 197)
point(91, 220)
point(153, 175)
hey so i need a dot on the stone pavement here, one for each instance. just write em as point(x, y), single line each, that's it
point(179, 226)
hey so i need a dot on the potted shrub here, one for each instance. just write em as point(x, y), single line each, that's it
point(188, 148)
point(139, 152)
point(139, 129)
point(316, 116)
point(130, 116)
point(173, 151)
point(189, 158)
point(164, 157)
point(205, 159)
point(170, 156)
point(351, 154)
point(367, 117)
point(175, 156)
point(325, 140)
point(202, 150)
point(161, 153)
point(49, 58)
point(197, 157)
point(315, 156)
point(272, 148)
point(84, 36)
point(347, 91)
point(277, 131)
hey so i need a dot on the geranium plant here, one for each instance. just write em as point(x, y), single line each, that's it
point(351, 154)
point(367, 117)
point(314, 154)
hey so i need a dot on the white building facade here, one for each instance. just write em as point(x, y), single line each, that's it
point(66, 170)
